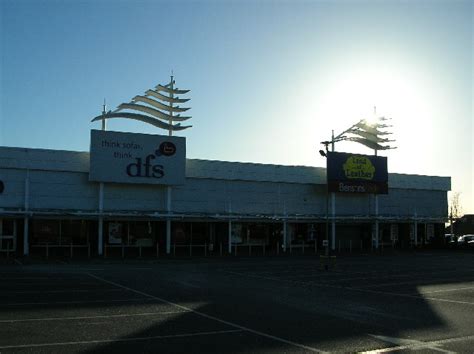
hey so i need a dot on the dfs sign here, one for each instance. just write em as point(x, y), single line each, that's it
point(354, 173)
point(137, 158)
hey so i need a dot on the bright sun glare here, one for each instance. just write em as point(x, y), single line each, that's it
point(353, 95)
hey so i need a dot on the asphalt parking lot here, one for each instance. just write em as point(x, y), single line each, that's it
point(421, 302)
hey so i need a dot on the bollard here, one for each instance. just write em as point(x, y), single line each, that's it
point(157, 249)
point(47, 251)
point(140, 251)
point(123, 251)
point(174, 249)
point(105, 250)
point(235, 249)
point(205, 249)
point(339, 246)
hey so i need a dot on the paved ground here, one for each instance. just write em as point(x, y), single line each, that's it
point(420, 303)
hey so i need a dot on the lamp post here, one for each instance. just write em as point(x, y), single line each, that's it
point(325, 154)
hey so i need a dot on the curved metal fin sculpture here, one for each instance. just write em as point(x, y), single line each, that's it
point(142, 118)
point(158, 104)
point(370, 144)
point(161, 97)
point(157, 109)
point(367, 134)
point(169, 89)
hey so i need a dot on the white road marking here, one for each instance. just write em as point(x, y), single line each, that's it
point(60, 291)
point(411, 343)
point(416, 282)
point(202, 314)
point(71, 302)
point(26, 278)
point(448, 290)
point(119, 340)
point(363, 290)
point(92, 317)
point(423, 345)
point(420, 297)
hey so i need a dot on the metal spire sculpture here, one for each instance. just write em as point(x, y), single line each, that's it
point(156, 107)
point(371, 134)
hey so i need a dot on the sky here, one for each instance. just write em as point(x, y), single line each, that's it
point(269, 80)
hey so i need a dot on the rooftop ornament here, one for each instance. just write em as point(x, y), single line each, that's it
point(373, 134)
point(155, 107)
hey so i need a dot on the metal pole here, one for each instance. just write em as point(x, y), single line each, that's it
point(170, 121)
point(26, 247)
point(416, 232)
point(376, 222)
point(333, 222)
point(451, 222)
point(229, 237)
point(327, 214)
point(168, 189)
point(100, 240)
point(168, 220)
point(333, 206)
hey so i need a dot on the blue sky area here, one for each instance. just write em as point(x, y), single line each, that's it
point(269, 80)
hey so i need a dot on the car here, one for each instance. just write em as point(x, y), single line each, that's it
point(466, 240)
point(470, 244)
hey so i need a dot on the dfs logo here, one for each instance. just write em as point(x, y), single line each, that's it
point(144, 167)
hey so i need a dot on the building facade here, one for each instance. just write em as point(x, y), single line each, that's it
point(49, 206)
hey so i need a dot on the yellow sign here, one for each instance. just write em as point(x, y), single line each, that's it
point(359, 167)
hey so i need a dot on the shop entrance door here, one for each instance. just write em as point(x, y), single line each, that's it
point(7, 236)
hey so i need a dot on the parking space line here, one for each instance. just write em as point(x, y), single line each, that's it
point(420, 345)
point(59, 291)
point(202, 314)
point(26, 278)
point(72, 302)
point(325, 285)
point(118, 340)
point(92, 317)
point(374, 275)
point(448, 290)
point(420, 297)
point(418, 281)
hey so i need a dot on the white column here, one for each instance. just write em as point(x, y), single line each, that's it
point(100, 239)
point(168, 236)
point(333, 222)
point(168, 220)
point(415, 227)
point(229, 247)
point(26, 246)
point(416, 232)
point(376, 221)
